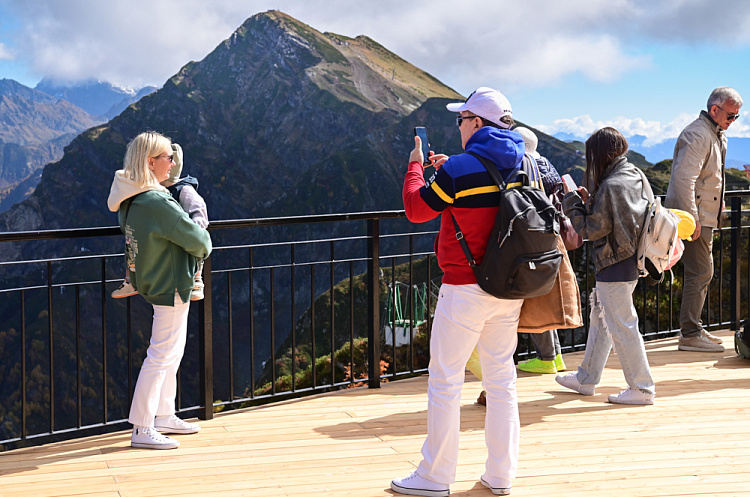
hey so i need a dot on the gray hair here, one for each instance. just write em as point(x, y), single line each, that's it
point(721, 95)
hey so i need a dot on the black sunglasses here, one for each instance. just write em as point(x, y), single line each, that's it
point(461, 118)
point(730, 117)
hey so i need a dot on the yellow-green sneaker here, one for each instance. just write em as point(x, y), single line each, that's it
point(559, 363)
point(536, 365)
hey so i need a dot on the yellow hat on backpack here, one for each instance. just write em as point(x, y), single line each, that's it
point(686, 226)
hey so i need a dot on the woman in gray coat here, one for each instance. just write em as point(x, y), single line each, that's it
point(611, 217)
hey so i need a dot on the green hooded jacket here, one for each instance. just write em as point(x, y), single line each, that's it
point(163, 246)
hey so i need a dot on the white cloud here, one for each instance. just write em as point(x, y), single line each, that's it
point(534, 45)
point(507, 43)
point(5, 53)
point(654, 131)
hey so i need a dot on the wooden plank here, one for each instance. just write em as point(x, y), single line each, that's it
point(694, 441)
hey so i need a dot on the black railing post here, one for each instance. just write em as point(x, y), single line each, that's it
point(736, 219)
point(206, 355)
point(373, 303)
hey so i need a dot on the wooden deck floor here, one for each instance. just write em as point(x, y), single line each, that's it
point(694, 441)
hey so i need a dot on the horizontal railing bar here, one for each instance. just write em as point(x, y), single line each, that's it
point(61, 259)
point(320, 218)
point(312, 263)
point(20, 236)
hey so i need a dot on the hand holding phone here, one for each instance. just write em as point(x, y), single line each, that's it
point(421, 132)
point(568, 184)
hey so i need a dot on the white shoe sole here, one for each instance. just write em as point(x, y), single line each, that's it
point(122, 296)
point(419, 491)
point(180, 431)
point(688, 348)
point(495, 490)
point(141, 445)
point(613, 400)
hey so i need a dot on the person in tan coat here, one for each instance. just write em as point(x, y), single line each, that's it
point(697, 187)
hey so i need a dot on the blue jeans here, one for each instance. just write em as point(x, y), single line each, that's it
point(614, 321)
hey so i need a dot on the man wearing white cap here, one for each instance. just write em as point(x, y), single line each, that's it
point(465, 315)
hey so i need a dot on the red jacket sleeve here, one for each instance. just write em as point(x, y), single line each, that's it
point(417, 211)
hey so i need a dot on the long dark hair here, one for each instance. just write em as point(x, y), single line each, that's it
point(602, 147)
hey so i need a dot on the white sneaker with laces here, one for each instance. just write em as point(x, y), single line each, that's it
point(571, 381)
point(173, 424)
point(495, 490)
point(416, 485)
point(145, 437)
point(124, 290)
point(633, 397)
point(698, 344)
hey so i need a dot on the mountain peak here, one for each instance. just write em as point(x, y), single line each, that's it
point(357, 70)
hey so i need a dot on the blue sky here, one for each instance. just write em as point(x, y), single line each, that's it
point(645, 67)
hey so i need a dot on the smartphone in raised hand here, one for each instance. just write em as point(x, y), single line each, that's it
point(570, 185)
point(421, 132)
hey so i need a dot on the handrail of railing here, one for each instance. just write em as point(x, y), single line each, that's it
point(62, 234)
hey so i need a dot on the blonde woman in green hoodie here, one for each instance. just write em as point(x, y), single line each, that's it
point(163, 247)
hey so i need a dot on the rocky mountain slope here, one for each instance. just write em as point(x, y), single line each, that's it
point(35, 128)
point(279, 119)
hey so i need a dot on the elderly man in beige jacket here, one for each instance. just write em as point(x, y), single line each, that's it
point(697, 186)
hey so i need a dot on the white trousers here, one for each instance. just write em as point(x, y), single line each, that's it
point(156, 388)
point(467, 317)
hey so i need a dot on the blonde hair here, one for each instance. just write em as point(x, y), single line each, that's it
point(140, 150)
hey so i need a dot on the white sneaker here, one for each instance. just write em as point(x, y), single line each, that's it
point(173, 424)
point(124, 290)
point(711, 337)
point(495, 490)
point(571, 381)
point(416, 485)
point(197, 293)
point(633, 397)
point(699, 344)
point(145, 437)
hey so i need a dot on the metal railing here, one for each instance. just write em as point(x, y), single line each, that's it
point(293, 306)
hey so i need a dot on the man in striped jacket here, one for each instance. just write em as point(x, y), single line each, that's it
point(465, 315)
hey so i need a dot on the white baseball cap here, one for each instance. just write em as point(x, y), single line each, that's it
point(487, 103)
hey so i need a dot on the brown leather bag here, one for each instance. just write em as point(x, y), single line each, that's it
point(571, 238)
point(560, 308)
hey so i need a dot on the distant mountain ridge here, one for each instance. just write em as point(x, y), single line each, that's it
point(98, 98)
point(738, 149)
point(37, 125)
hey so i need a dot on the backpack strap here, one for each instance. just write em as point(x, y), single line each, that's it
point(651, 200)
point(527, 171)
point(127, 211)
point(462, 242)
